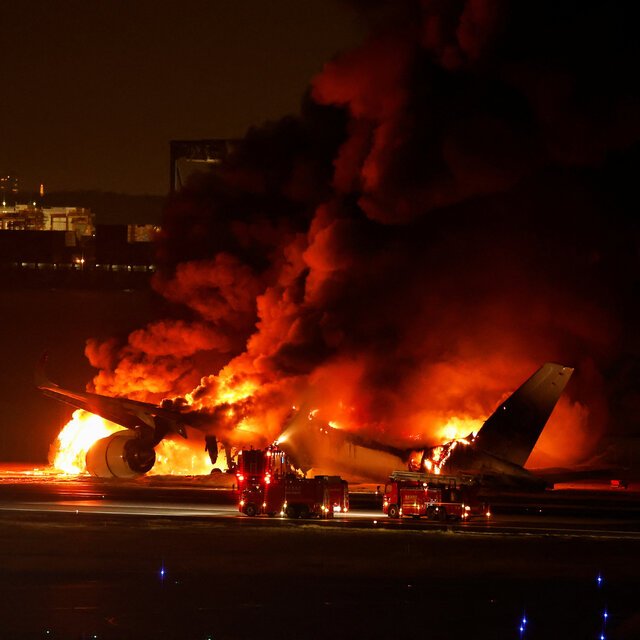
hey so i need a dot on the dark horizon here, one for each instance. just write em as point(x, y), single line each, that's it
point(98, 90)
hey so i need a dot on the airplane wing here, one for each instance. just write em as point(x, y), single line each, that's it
point(152, 420)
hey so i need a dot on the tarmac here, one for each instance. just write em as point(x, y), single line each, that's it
point(173, 559)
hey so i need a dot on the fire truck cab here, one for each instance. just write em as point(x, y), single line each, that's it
point(435, 497)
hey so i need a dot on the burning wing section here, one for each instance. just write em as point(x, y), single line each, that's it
point(126, 453)
point(495, 456)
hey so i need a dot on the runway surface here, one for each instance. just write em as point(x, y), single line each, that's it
point(605, 514)
point(172, 558)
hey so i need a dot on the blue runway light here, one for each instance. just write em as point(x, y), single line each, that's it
point(599, 580)
point(523, 624)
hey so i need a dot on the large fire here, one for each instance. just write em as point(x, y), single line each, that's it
point(188, 457)
point(173, 457)
point(67, 454)
point(184, 458)
point(456, 432)
point(459, 428)
point(440, 454)
point(407, 248)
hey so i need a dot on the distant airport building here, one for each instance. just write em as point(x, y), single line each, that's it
point(189, 157)
point(30, 217)
point(120, 247)
point(63, 239)
point(8, 189)
point(142, 233)
point(60, 246)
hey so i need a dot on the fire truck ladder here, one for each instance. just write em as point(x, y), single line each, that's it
point(432, 479)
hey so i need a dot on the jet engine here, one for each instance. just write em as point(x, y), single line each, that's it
point(120, 455)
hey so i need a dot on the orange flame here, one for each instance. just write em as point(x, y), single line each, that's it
point(457, 431)
point(459, 428)
point(184, 458)
point(68, 453)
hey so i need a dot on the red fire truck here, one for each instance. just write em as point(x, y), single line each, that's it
point(267, 486)
point(291, 496)
point(261, 466)
point(437, 497)
point(338, 493)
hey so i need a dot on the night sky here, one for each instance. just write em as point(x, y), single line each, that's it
point(92, 92)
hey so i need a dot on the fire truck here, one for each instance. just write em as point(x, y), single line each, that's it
point(267, 485)
point(290, 496)
point(338, 493)
point(260, 466)
point(436, 497)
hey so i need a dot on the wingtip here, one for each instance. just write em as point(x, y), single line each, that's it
point(561, 367)
point(40, 374)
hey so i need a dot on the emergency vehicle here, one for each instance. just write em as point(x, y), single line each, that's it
point(436, 497)
point(268, 485)
point(338, 493)
point(260, 466)
point(290, 496)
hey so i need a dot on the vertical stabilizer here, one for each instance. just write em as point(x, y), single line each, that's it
point(513, 429)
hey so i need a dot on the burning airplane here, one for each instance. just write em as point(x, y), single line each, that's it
point(496, 453)
point(443, 215)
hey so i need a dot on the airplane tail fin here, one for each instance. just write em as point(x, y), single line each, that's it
point(513, 429)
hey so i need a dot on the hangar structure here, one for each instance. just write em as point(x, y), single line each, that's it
point(188, 157)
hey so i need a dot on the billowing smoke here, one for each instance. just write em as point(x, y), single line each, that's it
point(449, 212)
